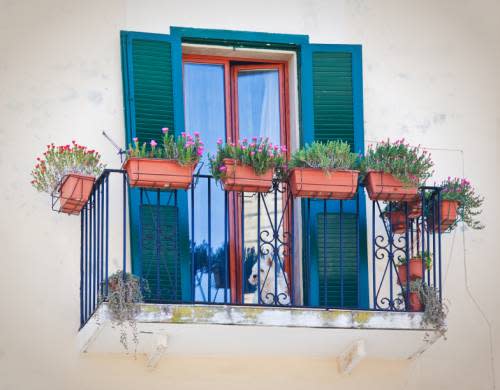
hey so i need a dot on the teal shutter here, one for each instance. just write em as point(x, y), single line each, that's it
point(332, 109)
point(152, 80)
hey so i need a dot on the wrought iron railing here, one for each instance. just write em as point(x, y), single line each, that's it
point(205, 245)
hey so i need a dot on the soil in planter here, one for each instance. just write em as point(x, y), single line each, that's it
point(316, 183)
point(384, 186)
point(75, 192)
point(242, 178)
point(158, 173)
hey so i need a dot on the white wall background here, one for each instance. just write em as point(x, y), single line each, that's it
point(431, 74)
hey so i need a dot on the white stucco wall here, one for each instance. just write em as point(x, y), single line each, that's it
point(431, 74)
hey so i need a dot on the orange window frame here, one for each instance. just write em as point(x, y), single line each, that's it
point(233, 65)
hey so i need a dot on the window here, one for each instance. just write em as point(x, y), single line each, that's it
point(166, 84)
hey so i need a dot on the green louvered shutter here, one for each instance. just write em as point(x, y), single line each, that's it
point(158, 235)
point(160, 262)
point(335, 113)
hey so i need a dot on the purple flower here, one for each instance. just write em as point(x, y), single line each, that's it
point(223, 168)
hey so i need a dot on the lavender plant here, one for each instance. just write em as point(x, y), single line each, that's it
point(409, 164)
point(185, 148)
point(260, 154)
point(59, 161)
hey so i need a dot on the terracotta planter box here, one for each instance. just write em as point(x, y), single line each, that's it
point(398, 221)
point(316, 183)
point(75, 192)
point(415, 268)
point(384, 186)
point(448, 215)
point(158, 173)
point(242, 178)
point(415, 304)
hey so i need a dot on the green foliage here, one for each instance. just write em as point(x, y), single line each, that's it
point(58, 161)
point(328, 155)
point(260, 154)
point(435, 311)
point(469, 202)
point(124, 295)
point(407, 163)
point(185, 148)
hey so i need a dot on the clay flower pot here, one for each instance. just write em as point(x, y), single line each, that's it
point(398, 221)
point(158, 173)
point(384, 186)
point(415, 304)
point(415, 270)
point(448, 215)
point(74, 192)
point(316, 183)
point(242, 178)
point(414, 209)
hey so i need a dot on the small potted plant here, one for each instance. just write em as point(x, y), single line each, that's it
point(246, 166)
point(395, 170)
point(67, 172)
point(167, 166)
point(414, 267)
point(459, 202)
point(123, 296)
point(414, 302)
point(324, 171)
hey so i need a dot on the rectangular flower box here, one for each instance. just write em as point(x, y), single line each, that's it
point(316, 183)
point(158, 173)
point(449, 214)
point(384, 186)
point(74, 192)
point(242, 178)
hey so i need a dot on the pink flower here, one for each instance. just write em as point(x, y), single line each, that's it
point(252, 153)
point(199, 152)
point(196, 134)
point(135, 139)
point(153, 143)
point(245, 140)
point(222, 169)
point(276, 147)
point(165, 130)
point(183, 134)
point(252, 145)
point(283, 148)
point(219, 141)
point(243, 147)
point(254, 139)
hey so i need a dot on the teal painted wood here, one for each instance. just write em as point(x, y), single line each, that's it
point(332, 108)
point(331, 234)
point(152, 69)
point(160, 266)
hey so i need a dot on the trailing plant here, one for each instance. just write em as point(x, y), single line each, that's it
point(325, 155)
point(184, 148)
point(124, 294)
point(409, 164)
point(469, 207)
point(425, 256)
point(260, 154)
point(59, 161)
point(435, 311)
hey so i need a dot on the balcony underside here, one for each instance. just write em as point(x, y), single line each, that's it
point(202, 330)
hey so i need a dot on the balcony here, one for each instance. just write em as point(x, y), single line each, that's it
point(308, 268)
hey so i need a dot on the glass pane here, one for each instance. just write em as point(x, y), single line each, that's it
point(259, 115)
point(204, 110)
point(259, 104)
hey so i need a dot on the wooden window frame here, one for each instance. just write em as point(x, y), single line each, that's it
point(231, 66)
